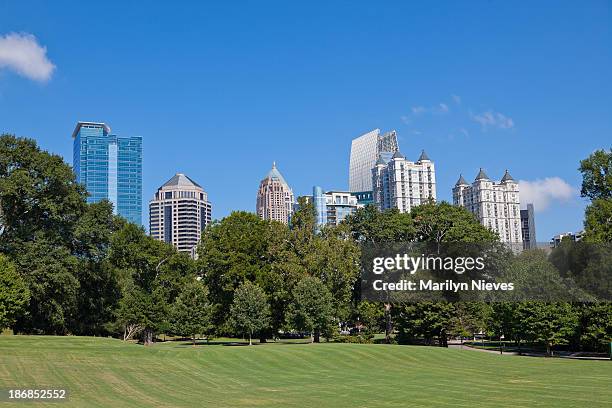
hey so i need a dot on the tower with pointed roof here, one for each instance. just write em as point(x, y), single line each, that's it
point(496, 205)
point(274, 198)
point(403, 184)
point(179, 212)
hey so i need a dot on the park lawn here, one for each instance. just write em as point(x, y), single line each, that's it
point(102, 372)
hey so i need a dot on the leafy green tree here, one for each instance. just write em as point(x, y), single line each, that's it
point(547, 323)
point(250, 311)
point(232, 251)
point(141, 312)
point(191, 311)
point(370, 225)
point(99, 289)
point(312, 308)
point(371, 315)
point(595, 325)
point(597, 175)
point(429, 320)
point(14, 294)
point(597, 185)
point(469, 318)
point(598, 221)
point(50, 272)
point(39, 196)
point(151, 275)
point(443, 222)
point(505, 322)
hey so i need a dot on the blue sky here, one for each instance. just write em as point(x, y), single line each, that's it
point(219, 91)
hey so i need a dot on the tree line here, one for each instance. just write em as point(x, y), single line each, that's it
point(69, 267)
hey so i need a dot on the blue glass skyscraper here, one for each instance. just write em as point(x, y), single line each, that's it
point(110, 167)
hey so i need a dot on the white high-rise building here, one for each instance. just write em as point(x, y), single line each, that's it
point(365, 150)
point(275, 197)
point(403, 184)
point(496, 205)
point(179, 212)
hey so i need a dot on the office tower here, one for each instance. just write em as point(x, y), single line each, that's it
point(110, 167)
point(179, 212)
point(528, 228)
point(365, 150)
point(333, 207)
point(403, 184)
point(496, 205)
point(274, 197)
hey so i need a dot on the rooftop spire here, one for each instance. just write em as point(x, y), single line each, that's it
point(507, 177)
point(482, 175)
point(461, 181)
point(423, 156)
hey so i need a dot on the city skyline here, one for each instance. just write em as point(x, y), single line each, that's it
point(492, 86)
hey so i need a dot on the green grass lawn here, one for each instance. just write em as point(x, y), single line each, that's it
point(109, 373)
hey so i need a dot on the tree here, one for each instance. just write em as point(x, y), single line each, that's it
point(547, 323)
point(40, 196)
point(250, 311)
point(429, 320)
point(191, 312)
point(312, 308)
point(232, 251)
point(597, 175)
point(99, 289)
point(598, 221)
point(595, 325)
point(14, 294)
point(142, 267)
point(443, 222)
point(370, 225)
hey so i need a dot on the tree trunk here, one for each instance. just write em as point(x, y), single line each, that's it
point(193, 339)
point(317, 337)
point(388, 325)
point(548, 350)
point(250, 341)
point(148, 337)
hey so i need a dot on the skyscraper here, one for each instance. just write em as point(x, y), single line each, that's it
point(528, 228)
point(496, 205)
point(274, 197)
point(110, 167)
point(365, 151)
point(179, 212)
point(403, 184)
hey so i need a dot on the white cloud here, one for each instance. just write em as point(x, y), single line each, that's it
point(493, 119)
point(22, 54)
point(443, 108)
point(418, 110)
point(464, 132)
point(456, 99)
point(542, 192)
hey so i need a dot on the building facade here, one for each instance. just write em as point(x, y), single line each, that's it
point(528, 228)
point(333, 207)
point(179, 212)
point(566, 236)
point(496, 205)
point(274, 198)
point(110, 167)
point(403, 184)
point(365, 150)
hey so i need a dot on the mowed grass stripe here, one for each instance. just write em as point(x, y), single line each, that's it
point(108, 372)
